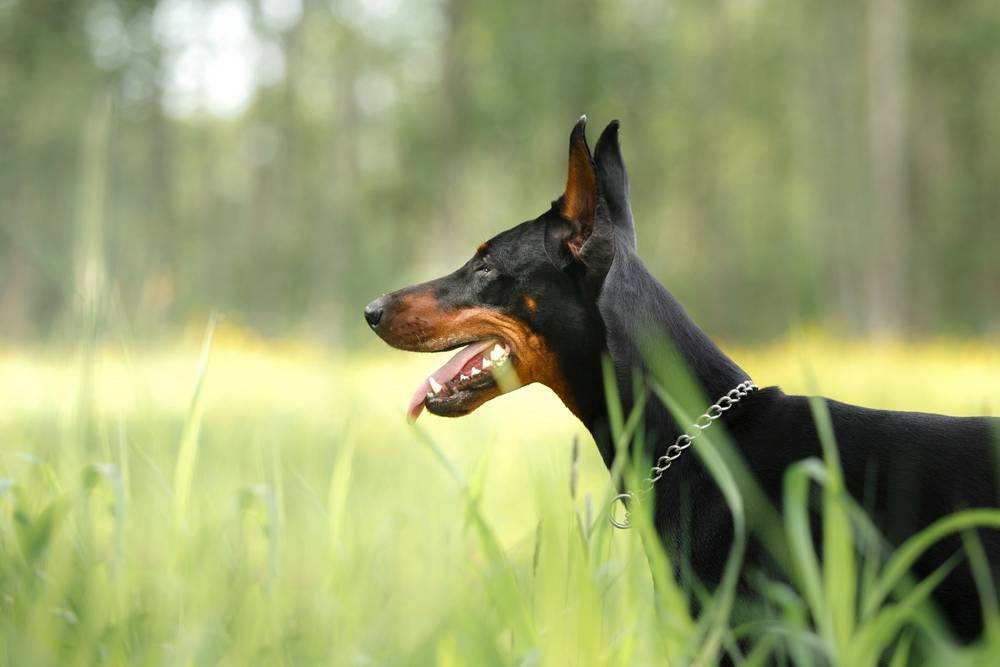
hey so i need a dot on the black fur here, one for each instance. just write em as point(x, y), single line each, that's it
point(908, 469)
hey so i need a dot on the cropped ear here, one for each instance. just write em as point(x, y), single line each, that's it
point(579, 203)
point(613, 179)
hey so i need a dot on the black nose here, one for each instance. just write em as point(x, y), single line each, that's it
point(373, 312)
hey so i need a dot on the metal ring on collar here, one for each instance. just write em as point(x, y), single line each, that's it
point(624, 499)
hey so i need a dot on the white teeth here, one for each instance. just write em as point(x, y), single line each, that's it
point(475, 371)
point(462, 377)
point(487, 363)
point(430, 395)
point(435, 385)
point(497, 353)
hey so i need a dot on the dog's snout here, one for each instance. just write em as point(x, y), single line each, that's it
point(373, 312)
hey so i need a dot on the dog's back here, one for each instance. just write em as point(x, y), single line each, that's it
point(905, 469)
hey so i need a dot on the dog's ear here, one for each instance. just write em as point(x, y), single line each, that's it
point(613, 181)
point(582, 235)
point(579, 203)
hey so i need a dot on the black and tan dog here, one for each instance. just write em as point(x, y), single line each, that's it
point(549, 297)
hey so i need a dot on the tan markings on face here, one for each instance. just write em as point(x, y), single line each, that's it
point(534, 361)
point(483, 247)
point(530, 303)
point(418, 323)
point(407, 323)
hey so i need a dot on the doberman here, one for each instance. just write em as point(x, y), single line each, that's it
point(550, 297)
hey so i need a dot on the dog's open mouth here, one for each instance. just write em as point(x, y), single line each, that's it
point(453, 388)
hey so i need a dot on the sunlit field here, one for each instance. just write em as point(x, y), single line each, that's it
point(266, 503)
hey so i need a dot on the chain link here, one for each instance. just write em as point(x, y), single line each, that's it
point(674, 451)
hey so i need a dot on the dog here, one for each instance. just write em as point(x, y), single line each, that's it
point(550, 297)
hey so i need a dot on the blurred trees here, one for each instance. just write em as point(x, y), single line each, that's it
point(287, 160)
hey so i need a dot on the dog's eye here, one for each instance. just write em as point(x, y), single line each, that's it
point(483, 269)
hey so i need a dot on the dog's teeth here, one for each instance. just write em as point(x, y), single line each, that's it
point(475, 371)
point(430, 395)
point(487, 363)
point(462, 377)
point(435, 385)
point(497, 353)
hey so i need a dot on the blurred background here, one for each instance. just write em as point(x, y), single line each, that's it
point(285, 161)
point(818, 183)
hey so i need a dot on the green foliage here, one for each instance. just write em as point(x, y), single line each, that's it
point(838, 157)
point(294, 522)
point(347, 537)
point(187, 454)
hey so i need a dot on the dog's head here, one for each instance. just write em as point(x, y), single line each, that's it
point(524, 308)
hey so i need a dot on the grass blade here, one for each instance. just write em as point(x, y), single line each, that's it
point(902, 560)
point(804, 560)
point(984, 584)
point(839, 564)
point(879, 632)
point(187, 454)
point(337, 496)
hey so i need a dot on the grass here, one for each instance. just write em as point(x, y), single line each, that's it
point(229, 501)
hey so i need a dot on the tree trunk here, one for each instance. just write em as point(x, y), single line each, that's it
point(887, 104)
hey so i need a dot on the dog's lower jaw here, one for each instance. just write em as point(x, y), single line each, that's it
point(461, 402)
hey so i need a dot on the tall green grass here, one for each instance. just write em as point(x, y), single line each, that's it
point(273, 508)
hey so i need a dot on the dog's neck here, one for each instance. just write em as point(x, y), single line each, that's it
point(632, 305)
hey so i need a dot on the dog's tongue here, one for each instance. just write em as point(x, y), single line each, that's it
point(444, 375)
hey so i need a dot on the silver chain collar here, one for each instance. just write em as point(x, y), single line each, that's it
point(674, 451)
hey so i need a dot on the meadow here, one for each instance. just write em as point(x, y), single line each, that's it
point(235, 501)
